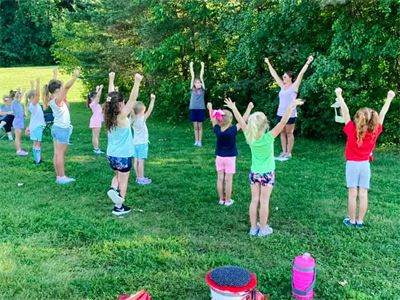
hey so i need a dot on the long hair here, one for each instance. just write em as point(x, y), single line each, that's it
point(90, 96)
point(112, 109)
point(226, 118)
point(256, 126)
point(366, 120)
point(54, 85)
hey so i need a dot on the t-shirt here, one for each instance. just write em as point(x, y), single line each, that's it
point(140, 132)
point(262, 154)
point(286, 96)
point(37, 116)
point(226, 141)
point(17, 109)
point(5, 108)
point(197, 99)
point(61, 114)
point(361, 152)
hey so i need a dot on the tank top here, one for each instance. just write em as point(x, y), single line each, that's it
point(286, 96)
point(120, 142)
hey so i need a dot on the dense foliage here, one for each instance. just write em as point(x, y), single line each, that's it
point(356, 45)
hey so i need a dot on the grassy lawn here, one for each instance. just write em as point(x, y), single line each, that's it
point(62, 242)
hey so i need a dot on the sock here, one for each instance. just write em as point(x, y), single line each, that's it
point(118, 205)
point(10, 137)
point(38, 155)
point(360, 222)
point(34, 154)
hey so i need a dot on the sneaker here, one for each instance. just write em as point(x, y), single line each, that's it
point(97, 151)
point(114, 195)
point(38, 163)
point(229, 202)
point(281, 157)
point(221, 202)
point(254, 232)
point(360, 225)
point(22, 153)
point(265, 232)
point(143, 181)
point(288, 156)
point(347, 223)
point(199, 144)
point(64, 180)
point(119, 211)
point(196, 143)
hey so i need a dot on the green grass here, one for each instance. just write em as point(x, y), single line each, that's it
point(62, 242)
point(12, 78)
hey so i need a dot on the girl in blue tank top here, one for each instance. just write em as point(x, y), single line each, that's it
point(288, 93)
point(120, 142)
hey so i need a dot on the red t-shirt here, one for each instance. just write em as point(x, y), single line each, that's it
point(362, 152)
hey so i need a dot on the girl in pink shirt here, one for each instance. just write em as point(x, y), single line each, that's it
point(362, 134)
point(97, 117)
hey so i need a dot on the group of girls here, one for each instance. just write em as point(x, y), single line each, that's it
point(362, 133)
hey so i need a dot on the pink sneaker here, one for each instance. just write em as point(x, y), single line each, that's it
point(22, 153)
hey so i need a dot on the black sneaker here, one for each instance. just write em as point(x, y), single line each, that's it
point(119, 211)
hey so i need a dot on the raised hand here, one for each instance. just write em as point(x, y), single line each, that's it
point(338, 92)
point(111, 75)
point(202, 64)
point(229, 103)
point(209, 106)
point(390, 95)
point(266, 60)
point(152, 97)
point(310, 59)
point(250, 105)
point(191, 64)
point(138, 77)
point(77, 73)
point(297, 102)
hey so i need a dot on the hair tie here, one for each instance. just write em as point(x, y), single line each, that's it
point(108, 99)
point(217, 114)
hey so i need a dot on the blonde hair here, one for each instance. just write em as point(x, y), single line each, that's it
point(139, 106)
point(257, 125)
point(226, 118)
point(366, 120)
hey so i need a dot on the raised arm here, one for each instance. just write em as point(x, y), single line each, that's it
point(45, 96)
point(210, 108)
point(385, 108)
point(55, 73)
point(343, 106)
point(246, 114)
point(299, 78)
point(151, 106)
point(111, 77)
point(36, 98)
point(191, 75)
point(202, 75)
point(64, 90)
point(99, 90)
point(279, 127)
point(273, 73)
point(242, 123)
point(133, 96)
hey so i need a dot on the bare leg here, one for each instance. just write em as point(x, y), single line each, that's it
point(140, 168)
point(196, 132)
point(264, 205)
point(95, 137)
point(135, 166)
point(18, 133)
point(363, 196)
point(114, 181)
point(59, 158)
point(352, 204)
point(283, 140)
point(200, 129)
point(220, 185)
point(290, 138)
point(255, 199)
point(228, 186)
point(123, 183)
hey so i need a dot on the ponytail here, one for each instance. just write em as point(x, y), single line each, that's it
point(256, 126)
point(366, 120)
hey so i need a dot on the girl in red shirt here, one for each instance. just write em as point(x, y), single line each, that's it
point(362, 134)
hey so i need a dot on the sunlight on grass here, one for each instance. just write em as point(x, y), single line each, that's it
point(7, 260)
point(12, 78)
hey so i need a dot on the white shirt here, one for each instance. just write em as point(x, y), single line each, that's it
point(37, 116)
point(140, 132)
point(61, 114)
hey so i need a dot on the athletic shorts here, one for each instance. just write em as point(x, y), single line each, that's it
point(61, 135)
point(197, 115)
point(358, 174)
point(290, 121)
point(141, 151)
point(37, 134)
point(226, 164)
point(121, 164)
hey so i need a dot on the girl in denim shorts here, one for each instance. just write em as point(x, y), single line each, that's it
point(120, 142)
point(262, 175)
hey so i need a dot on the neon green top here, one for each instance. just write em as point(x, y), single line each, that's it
point(262, 154)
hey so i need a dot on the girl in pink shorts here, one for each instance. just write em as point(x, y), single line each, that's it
point(96, 120)
point(226, 150)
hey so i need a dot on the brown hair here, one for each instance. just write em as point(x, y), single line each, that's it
point(90, 96)
point(366, 120)
point(290, 74)
point(54, 85)
point(112, 109)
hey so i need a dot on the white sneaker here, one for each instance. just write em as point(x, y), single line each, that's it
point(195, 144)
point(97, 151)
point(115, 197)
point(199, 144)
point(265, 232)
point(281, 157)
point(22, 153)
point(229, 202)
point(221, 202)
point(64, 180)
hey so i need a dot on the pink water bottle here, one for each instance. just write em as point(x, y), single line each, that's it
point(303, 277)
